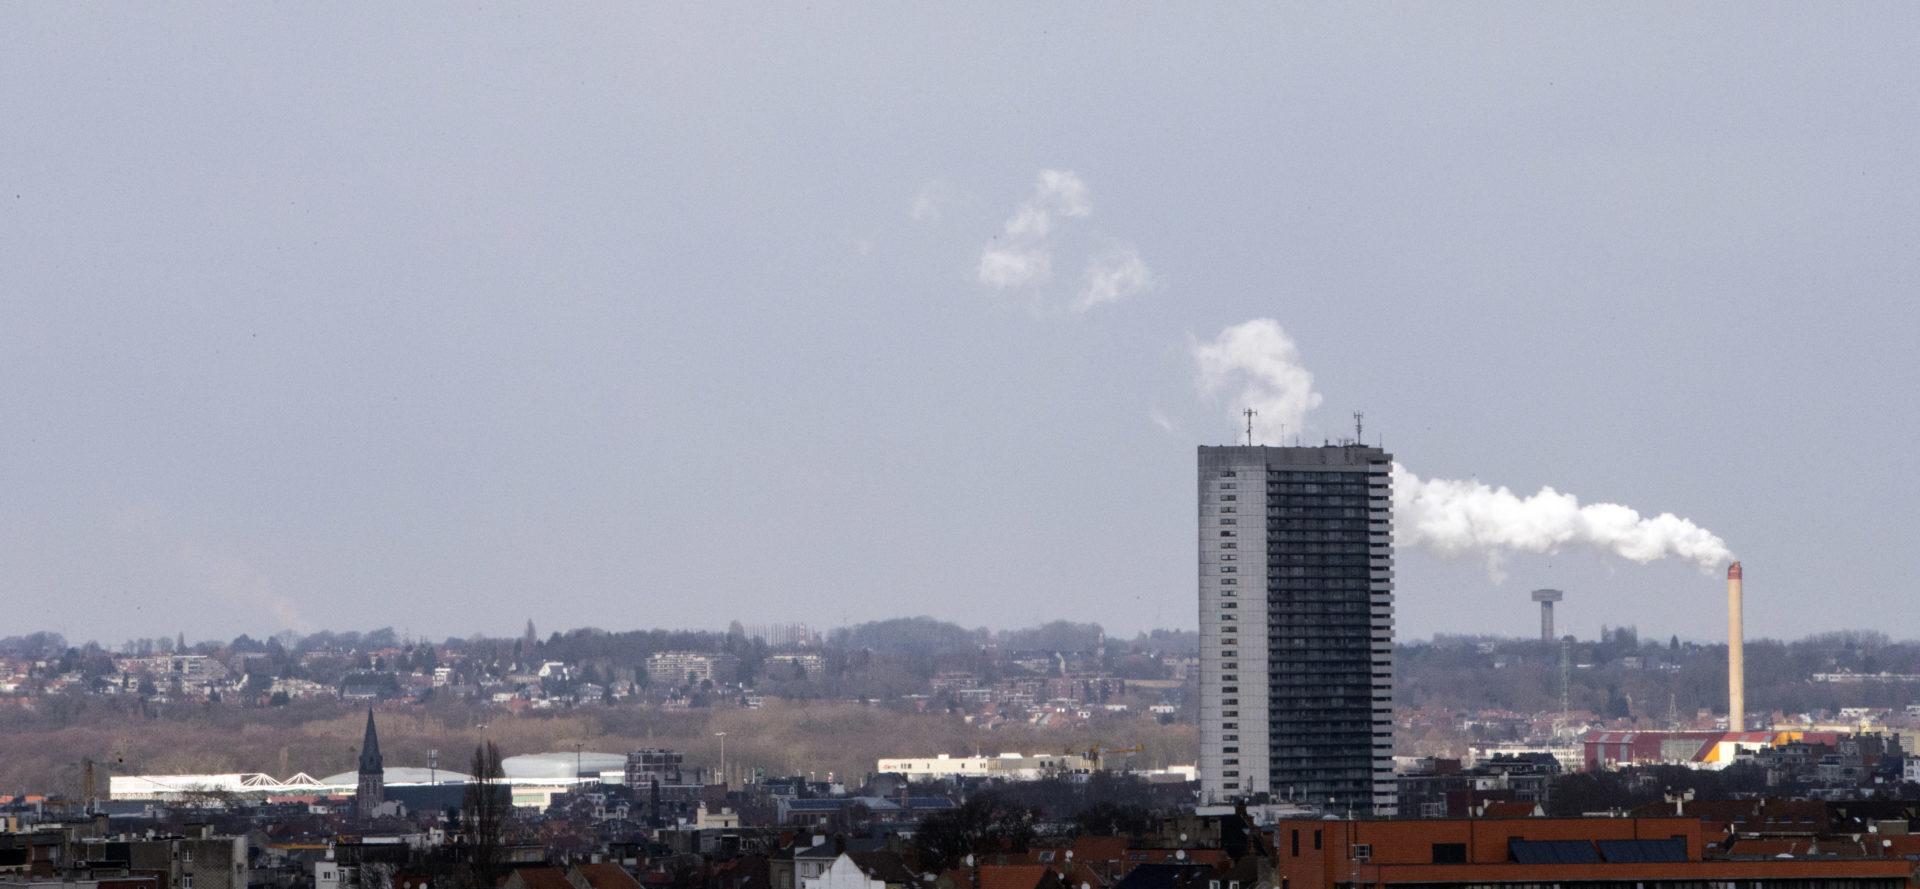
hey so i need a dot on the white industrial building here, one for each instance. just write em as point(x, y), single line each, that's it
point(534, 779)
point(1009, 766)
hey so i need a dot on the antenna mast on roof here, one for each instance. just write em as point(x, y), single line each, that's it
point(1251, 413)
point(1359, 437)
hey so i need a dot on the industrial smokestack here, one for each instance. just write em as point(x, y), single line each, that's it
point(1736, 656)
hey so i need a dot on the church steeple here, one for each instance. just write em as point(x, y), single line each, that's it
point(373, 783)
point(370, 749)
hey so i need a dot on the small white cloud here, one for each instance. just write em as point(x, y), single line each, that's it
point(1159, 418)
point(931, 201)
point(1064, 190)
point(935, 198)
point(1057, 191)
point(1004, 268)
point(1113, 276)
point(1020, 256)
point(1260, 359)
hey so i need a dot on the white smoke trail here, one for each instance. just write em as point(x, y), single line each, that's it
point(1445, 516)
point(1452, 518)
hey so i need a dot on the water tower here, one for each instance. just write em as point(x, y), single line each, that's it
point(1546, 598)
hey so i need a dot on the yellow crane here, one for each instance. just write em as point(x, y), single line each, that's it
point(1096, 754)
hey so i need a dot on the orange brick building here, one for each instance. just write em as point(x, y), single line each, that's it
point(1545, 853)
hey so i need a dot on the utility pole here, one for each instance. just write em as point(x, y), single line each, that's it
point(1251, 413)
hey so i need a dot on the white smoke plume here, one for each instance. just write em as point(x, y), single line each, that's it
point(1260, 360)
point(1020, 256)
point(1258, 364)
point(1452, 518)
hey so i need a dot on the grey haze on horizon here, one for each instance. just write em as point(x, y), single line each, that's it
point(436, 317)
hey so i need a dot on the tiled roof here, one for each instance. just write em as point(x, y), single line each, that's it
point(883, 866)
point(541, 878)
point(815, 805)
point(1011, 876)
point(606, 876)
point(1509, 810)
point(1099, 848)
point(1164, 876)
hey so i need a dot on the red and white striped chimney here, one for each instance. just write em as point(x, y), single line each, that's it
point(1736, 655)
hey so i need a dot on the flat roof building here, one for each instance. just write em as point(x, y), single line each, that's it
point(1296, 625)
point(1597, 853)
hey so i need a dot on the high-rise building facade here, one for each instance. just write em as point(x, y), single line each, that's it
point(1296, 625)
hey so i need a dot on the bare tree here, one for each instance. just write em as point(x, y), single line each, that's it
point(483, 816)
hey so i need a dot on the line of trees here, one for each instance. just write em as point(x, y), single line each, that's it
point(1651, 681)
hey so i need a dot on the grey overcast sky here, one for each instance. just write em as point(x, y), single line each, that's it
point(443, 317)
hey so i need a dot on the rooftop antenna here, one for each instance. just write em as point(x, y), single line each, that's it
point(1359, 436)
point(1251, 413)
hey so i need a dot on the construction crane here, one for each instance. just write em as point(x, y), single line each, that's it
point(1096, 754)
point(89, 788)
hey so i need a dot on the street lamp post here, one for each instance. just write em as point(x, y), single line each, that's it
point(576, 761)
point(723, 757)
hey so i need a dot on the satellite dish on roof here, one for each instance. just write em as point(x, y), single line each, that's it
point(1180, 855)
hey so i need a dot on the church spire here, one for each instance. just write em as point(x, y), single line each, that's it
point(370, 749)
point(373, 780)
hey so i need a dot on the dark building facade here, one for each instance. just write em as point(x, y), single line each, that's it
point(1296, 625)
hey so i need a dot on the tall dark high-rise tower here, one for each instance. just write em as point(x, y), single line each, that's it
point(373, 781)
point(1296, 625)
